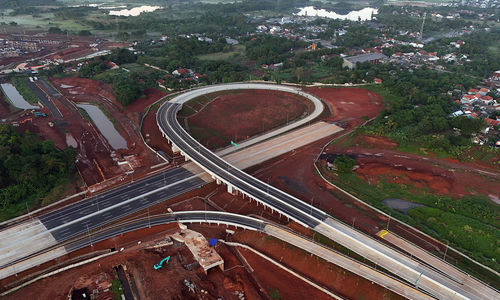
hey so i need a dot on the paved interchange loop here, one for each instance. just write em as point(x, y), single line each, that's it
point(425, 277)
point(68, 223)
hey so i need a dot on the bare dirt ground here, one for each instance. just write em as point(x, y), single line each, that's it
point(333, 278)
point(152, 134)
point(243, 114)
point(351, 105)
point(98, 158)
point(4, 107)
point(166, 283)
point(294, 172)
point(378, 157)
point(140, 104)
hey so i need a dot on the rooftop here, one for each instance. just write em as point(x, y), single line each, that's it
point(366, 57)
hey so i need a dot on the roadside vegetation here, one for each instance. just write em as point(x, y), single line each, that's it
point(469, 223)
point(29, 170)
point(116, 289)
point(24, 90)
point(420, 123)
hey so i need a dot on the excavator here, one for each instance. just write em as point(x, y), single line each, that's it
point(160, 264)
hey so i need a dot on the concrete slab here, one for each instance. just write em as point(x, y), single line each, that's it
point(411, 271)
point(269, 149)
point(18, 242)
point(347, 263)
point(205, 255)
point(282, 144)
point(469, 284)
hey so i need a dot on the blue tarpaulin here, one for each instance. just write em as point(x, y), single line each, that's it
point(212, 242)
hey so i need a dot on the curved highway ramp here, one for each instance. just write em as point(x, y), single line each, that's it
point(424, 276)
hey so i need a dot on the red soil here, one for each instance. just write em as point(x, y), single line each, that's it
point(333, 278)
point(140, 104)
point(166, 283)
point(446, 177)
point(40, 126)
point(236, 204)
point(95, 161)
point(85, 90)
point(4, 107)
point(421, 179)
point(379, 142)
point(152, 134)
point(349, 104)
point(243, 114)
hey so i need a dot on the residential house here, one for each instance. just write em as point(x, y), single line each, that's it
point(182, 72)
point(373, 58)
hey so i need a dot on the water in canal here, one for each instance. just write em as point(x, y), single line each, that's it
point(400, 205)
point(15, 98)
point(105, 126)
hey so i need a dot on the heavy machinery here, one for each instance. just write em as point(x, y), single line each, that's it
point(160, 264)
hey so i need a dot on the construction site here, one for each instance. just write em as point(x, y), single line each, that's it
point(200, 261)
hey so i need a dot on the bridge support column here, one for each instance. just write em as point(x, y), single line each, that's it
point(175, 149)
point(230, 189)
point(217, 180)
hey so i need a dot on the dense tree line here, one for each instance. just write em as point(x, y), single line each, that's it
point(93, 68)
point(266, 49)
point(180, 52)
point(419, 115)
point(29, 169)
point(358, 36)
point(26, 3)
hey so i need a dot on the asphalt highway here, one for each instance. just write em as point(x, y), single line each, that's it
point(251, 223)
point(94, 212)
point(81, 217)
point(44, 99)
point(110, 206)
point(433, 281)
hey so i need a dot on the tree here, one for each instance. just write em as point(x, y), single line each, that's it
point(344, 164)
point(29, 169)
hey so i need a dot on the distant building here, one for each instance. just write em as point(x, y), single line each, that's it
point(182, 72)
point(205, 39)
point(231, 41)
point(373, 58)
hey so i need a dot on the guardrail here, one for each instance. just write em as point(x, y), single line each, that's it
point(254, 188)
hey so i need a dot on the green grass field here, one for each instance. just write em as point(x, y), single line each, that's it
point(45, 20)
point(227, 56)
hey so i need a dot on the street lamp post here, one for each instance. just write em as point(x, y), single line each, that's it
point(88, 233)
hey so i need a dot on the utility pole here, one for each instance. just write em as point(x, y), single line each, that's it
point(90, 239)
point(28, 209)
point(312, 201)
point(149, 220)
point(268, 184)
point(388, 221)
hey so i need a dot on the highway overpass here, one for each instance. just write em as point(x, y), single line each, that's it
point(222, 218)
point(425, 277)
